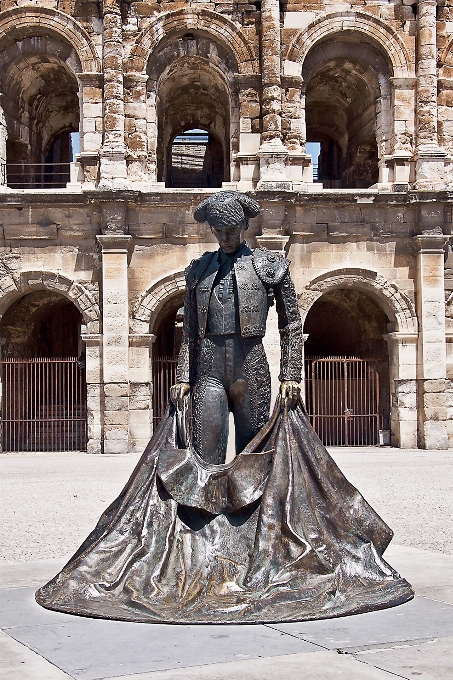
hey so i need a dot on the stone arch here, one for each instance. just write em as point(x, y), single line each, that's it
point(388, 39)
point(76, 292)
point(204, 21)
point(398, 307)
point(152, 300)
point(22, 22)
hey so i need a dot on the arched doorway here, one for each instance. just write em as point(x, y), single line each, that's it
point(346, 369)
point(44, 401)
point(168, 332)
point(40, 100)
point(346, 114)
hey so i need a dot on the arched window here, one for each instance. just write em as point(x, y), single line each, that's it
point(197, 160)
point(342, 113)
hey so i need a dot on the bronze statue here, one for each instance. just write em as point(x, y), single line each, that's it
point(229, 293)
point(278, 534)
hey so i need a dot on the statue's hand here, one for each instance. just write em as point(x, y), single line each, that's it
point(178, 392)
point(290, 392)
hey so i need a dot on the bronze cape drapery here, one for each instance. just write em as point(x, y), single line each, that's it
point(279, 534)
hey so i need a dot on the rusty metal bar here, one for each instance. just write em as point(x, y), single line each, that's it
point(164, 376)
point(44, 405)
point(343, 399)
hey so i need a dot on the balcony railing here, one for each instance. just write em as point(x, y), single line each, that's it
point(36, 175)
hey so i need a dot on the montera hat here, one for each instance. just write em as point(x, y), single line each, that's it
point(226, 209)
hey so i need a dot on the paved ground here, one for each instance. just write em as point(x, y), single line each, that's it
point(49, 502)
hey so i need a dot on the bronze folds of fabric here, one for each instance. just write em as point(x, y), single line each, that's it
point(277, 535)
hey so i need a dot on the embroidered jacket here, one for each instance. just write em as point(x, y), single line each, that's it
point(261, 276)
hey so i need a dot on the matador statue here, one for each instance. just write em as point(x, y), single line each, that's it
point(222, 357)
point(278, 533)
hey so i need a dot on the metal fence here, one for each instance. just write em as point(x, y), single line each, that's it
point(341, 394)
point(164, 376)
point(37, 175)
point(342, 399)
point(43, 405)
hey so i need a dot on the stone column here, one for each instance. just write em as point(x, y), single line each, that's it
point(91, 126)
point(431, 366)
point(136, 130)
point(430, 157)
point(140, 395)
point(115, 341)
point(245, 163)
point(396, 152)
point(113, 153)
point(299, 168)
point(402, 348)
point(93, 343)
point(272, 154)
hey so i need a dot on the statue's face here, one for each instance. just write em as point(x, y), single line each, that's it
point(230, 239)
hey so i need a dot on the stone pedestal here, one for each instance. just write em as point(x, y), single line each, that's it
point(430, 165)
point(431, 364)
point(115, 341)
point(273, 156)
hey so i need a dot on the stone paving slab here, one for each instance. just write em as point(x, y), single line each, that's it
point(316, 666)
point(430, 661)
point(88, 649)
point(418, 620)
point(20, 663)
point(92, 648)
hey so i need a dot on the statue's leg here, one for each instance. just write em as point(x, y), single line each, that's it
point(211, 420)
point(253, 401)
point(239, 395)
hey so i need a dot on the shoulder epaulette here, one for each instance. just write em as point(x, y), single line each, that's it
point(271, 267)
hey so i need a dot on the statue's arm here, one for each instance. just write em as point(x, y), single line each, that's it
point(290, 327)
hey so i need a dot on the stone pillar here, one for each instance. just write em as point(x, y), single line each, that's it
point(396, 153)
point(245, 164)
point(402, 348)
point(272, 154)
point(91, 126)
point(299, 165)
point(430, 157)
point(431, 366)
point(93, 343)
point(140, 393)
point(113, 153)
point(136, 130)
point(115, 341)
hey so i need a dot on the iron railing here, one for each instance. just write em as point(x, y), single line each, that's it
point(342, 399)
point(44, 405)
point(37, 175)
point(164, 376)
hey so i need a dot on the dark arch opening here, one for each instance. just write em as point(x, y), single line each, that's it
point(168, 331)
point(347, 370)
point(342, 115)
point(41, 324)
point(346, 322)
point(44, 401)
point(196, 160)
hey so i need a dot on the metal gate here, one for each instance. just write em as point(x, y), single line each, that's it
point(164, 376)
point(44, 405)
point(342, 399)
